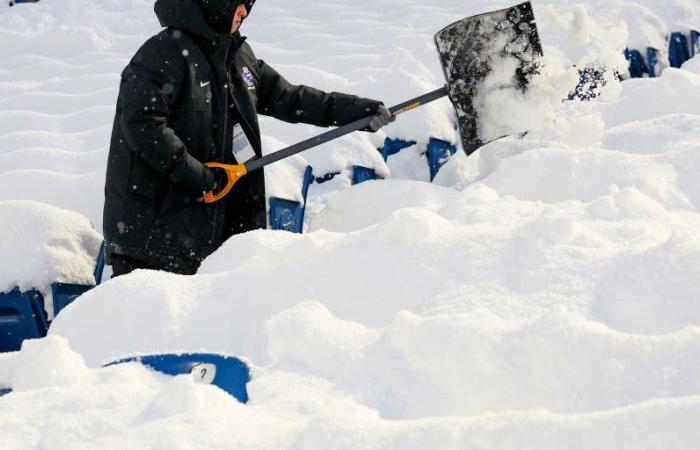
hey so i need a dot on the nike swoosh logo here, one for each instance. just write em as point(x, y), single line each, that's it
point(203, 84)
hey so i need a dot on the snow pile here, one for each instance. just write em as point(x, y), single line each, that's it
point(540, 294)
point(42, 244)
point(553, 289)
point(507, 110)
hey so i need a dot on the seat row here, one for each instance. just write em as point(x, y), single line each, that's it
point(681, 47)
point(288, 215)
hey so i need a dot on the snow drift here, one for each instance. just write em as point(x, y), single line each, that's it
point(540, 294)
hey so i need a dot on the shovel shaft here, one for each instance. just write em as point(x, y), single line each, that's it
point(342, 131)
point(419, 101)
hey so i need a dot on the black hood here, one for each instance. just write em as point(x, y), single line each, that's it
point(219, 13)
point(206, 18)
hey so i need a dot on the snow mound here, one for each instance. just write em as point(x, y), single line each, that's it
point(148, 410)
point(542, 293)
point(42, 245)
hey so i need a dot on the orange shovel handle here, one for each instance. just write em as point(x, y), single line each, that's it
point(233, 173)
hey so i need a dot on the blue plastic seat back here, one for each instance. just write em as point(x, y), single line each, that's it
point(637, 67)
point(678, 50)
point(64, 294)
point(17, 2)
point(288, 215)
point(361, 174)
point(439, 152)
point(229, 373)
point(22, 317)
point(653, 62)
point(100, 264)
point(4, 391)
point(394, 146)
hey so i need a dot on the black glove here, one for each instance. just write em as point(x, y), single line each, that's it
point(220, 179)
point(193, 177)
point(382, 117)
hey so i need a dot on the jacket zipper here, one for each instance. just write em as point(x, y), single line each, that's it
point(220, 208)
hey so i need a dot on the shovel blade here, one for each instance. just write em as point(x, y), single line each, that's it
point(476, 51)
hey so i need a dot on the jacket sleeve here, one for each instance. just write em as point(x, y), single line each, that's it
point(297, 103)
point(149, 89)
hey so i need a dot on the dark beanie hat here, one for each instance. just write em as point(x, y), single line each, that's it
point(219, 13)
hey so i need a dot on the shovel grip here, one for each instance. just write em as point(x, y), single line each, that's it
point(234, 172)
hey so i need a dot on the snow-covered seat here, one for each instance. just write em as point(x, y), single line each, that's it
point(226, 372)
point(288, 214)
point(360, 174)
point(678, 49)
point(64, 294)
point(637, 66)
point(393, 146)
point(654, 65)
point(694, 42)
point(50, 257)
point(23, 315)
point(17, 2)
point(439, 152)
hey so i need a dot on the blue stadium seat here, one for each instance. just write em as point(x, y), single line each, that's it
point(4, 391)
point(226, 372)
point(22, 317)
point(678, 50)
point(285, 215)
point(22, 314)
point(439, 152)
point(288, 215)
point(694, 42)
point(653, 62)
point(361, 174)
point(17, 2)
point(65, 293)
point(637, 67)
point(393, 146)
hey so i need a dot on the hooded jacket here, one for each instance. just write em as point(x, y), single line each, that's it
point(179, 98)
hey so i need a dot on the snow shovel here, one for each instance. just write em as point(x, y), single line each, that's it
point(490, 51)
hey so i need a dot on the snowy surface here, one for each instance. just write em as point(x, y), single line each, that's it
point(541, 294)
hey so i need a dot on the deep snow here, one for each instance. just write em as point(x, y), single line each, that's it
point(541, 293)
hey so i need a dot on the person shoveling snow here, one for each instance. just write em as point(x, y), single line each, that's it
point(191, 95)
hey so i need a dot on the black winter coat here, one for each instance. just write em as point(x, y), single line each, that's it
point(179, 98)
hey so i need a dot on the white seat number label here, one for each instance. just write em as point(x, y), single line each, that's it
point(204, 373)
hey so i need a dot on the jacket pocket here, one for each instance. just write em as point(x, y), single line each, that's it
point(184, 226)
point(145, 182)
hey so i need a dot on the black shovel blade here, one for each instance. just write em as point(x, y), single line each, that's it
point(476, 47)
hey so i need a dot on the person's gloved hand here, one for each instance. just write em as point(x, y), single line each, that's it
point(220, 179)
point(193, 177)
point(382, 117)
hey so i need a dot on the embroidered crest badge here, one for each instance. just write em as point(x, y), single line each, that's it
point(248, 78)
